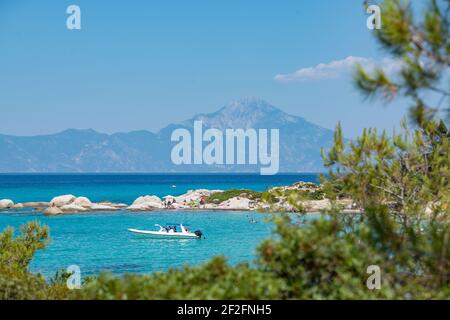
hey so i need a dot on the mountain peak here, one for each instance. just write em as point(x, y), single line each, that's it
point(245, 113)
point(247, 104)
point(75, 130)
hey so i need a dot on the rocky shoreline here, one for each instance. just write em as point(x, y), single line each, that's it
point(279, 199)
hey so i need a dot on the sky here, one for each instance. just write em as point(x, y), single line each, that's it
point(144, 64)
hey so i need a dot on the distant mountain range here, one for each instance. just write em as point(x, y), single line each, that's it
point(143, 151)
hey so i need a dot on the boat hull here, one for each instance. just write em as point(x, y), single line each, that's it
point(158, 234)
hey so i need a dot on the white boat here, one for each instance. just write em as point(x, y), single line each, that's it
point(171, 232)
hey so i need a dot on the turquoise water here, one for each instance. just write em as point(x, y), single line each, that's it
point(100, 241)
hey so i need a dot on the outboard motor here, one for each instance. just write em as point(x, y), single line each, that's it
point(198, 233)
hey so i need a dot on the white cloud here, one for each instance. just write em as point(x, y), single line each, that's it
point(338, 68)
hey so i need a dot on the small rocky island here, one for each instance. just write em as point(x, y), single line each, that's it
point(299, 197)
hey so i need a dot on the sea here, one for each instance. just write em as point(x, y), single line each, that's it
point(97, 242)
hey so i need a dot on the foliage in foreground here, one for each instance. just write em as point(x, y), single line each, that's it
point(16, 282)
point(322, 259)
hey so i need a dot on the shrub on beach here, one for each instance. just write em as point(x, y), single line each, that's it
point(328, 258)
point(213, 280)
point(222, 196)
point(16, 282)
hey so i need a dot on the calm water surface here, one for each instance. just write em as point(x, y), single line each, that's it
point(100, 241)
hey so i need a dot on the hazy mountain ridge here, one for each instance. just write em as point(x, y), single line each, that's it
point(143, 151)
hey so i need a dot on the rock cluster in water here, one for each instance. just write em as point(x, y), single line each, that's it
point(6, 204)
point(193, 199)
point(70, 204)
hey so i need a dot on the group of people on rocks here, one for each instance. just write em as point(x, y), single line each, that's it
point(169, 202)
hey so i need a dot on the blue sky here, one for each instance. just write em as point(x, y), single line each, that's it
point(144, 64)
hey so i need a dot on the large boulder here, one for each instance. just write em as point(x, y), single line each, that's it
point(146, 203)
point(82, 202)
point(62, 200)
point(237, 203)
point(6, 204)
point(53, 211)
point(147, 199)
